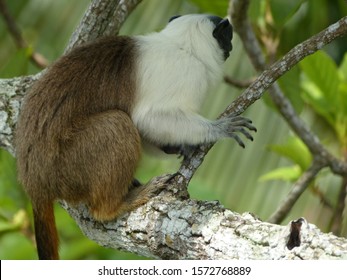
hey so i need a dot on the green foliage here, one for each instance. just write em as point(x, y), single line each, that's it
point(290, 174)
point(14, 219)
point(283, 10)
point(343, 68)
point(218, 8)
point(18, 62)
point(325, 90)
point(295, 151)
point(16, 246)
point(290, 85)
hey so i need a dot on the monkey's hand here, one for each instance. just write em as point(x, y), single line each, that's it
point(232, 125)
point(229, 127)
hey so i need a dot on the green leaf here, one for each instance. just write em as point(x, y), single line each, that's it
point(283, 10)
point(325, 89)
point(314, 96)
point(18, 220)
point(295, 150)
point(7, 226)
point(342, 99)
point(290, 173)
point(340, 125)
point(15, 246)
point(16, 65)
point(343, 68)
point(257, 11)
point(290, 84)
point(218, 8)
point(322, 71)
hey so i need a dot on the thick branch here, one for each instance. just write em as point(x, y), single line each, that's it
point(12, 92)
point(103, 17)
point(172, 228)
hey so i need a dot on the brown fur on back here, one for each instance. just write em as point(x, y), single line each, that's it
point(75, 139)
point(90, 80)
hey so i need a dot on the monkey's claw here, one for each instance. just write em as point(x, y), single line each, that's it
point(238, 124)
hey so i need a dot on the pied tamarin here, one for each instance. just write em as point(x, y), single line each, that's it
point(79, 133)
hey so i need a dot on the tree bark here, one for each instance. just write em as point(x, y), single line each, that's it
point(172, 227)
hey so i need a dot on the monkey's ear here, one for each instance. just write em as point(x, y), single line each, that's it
point(223, 33)
point(174, 17)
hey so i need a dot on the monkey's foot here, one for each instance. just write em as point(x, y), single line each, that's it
point(141, 194)
point(157, 184)
point(183, 150)
point(135, 184)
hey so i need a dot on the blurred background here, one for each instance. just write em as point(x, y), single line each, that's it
point(254, 179)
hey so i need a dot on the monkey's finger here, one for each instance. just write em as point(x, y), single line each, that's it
point(237, 138)
point(242, 121)
point(244, 124)
point(243, 131)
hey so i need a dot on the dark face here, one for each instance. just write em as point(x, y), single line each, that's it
point(223, 33)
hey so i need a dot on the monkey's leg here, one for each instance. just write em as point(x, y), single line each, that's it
point(99, 161)
point(140, 195)
point(101, 158)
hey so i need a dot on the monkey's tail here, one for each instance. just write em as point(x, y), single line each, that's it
point(45, 230)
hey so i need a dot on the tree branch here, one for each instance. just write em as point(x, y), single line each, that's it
point(252, 47)
point(12, 92)
point(322, 158)
point(172, 228)
point(103, 17)
point(14, 30)
point(298, 188)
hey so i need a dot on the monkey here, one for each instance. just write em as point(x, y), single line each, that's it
point(82, 124)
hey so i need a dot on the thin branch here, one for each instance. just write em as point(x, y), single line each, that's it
point(337, 220)
point(298, 188)
point(238, 11)
point(322, 198)
point(11, 25)
point(242, 26)
point(264, 81)
point(38, 59)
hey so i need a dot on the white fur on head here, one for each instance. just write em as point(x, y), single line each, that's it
point(175, 69)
